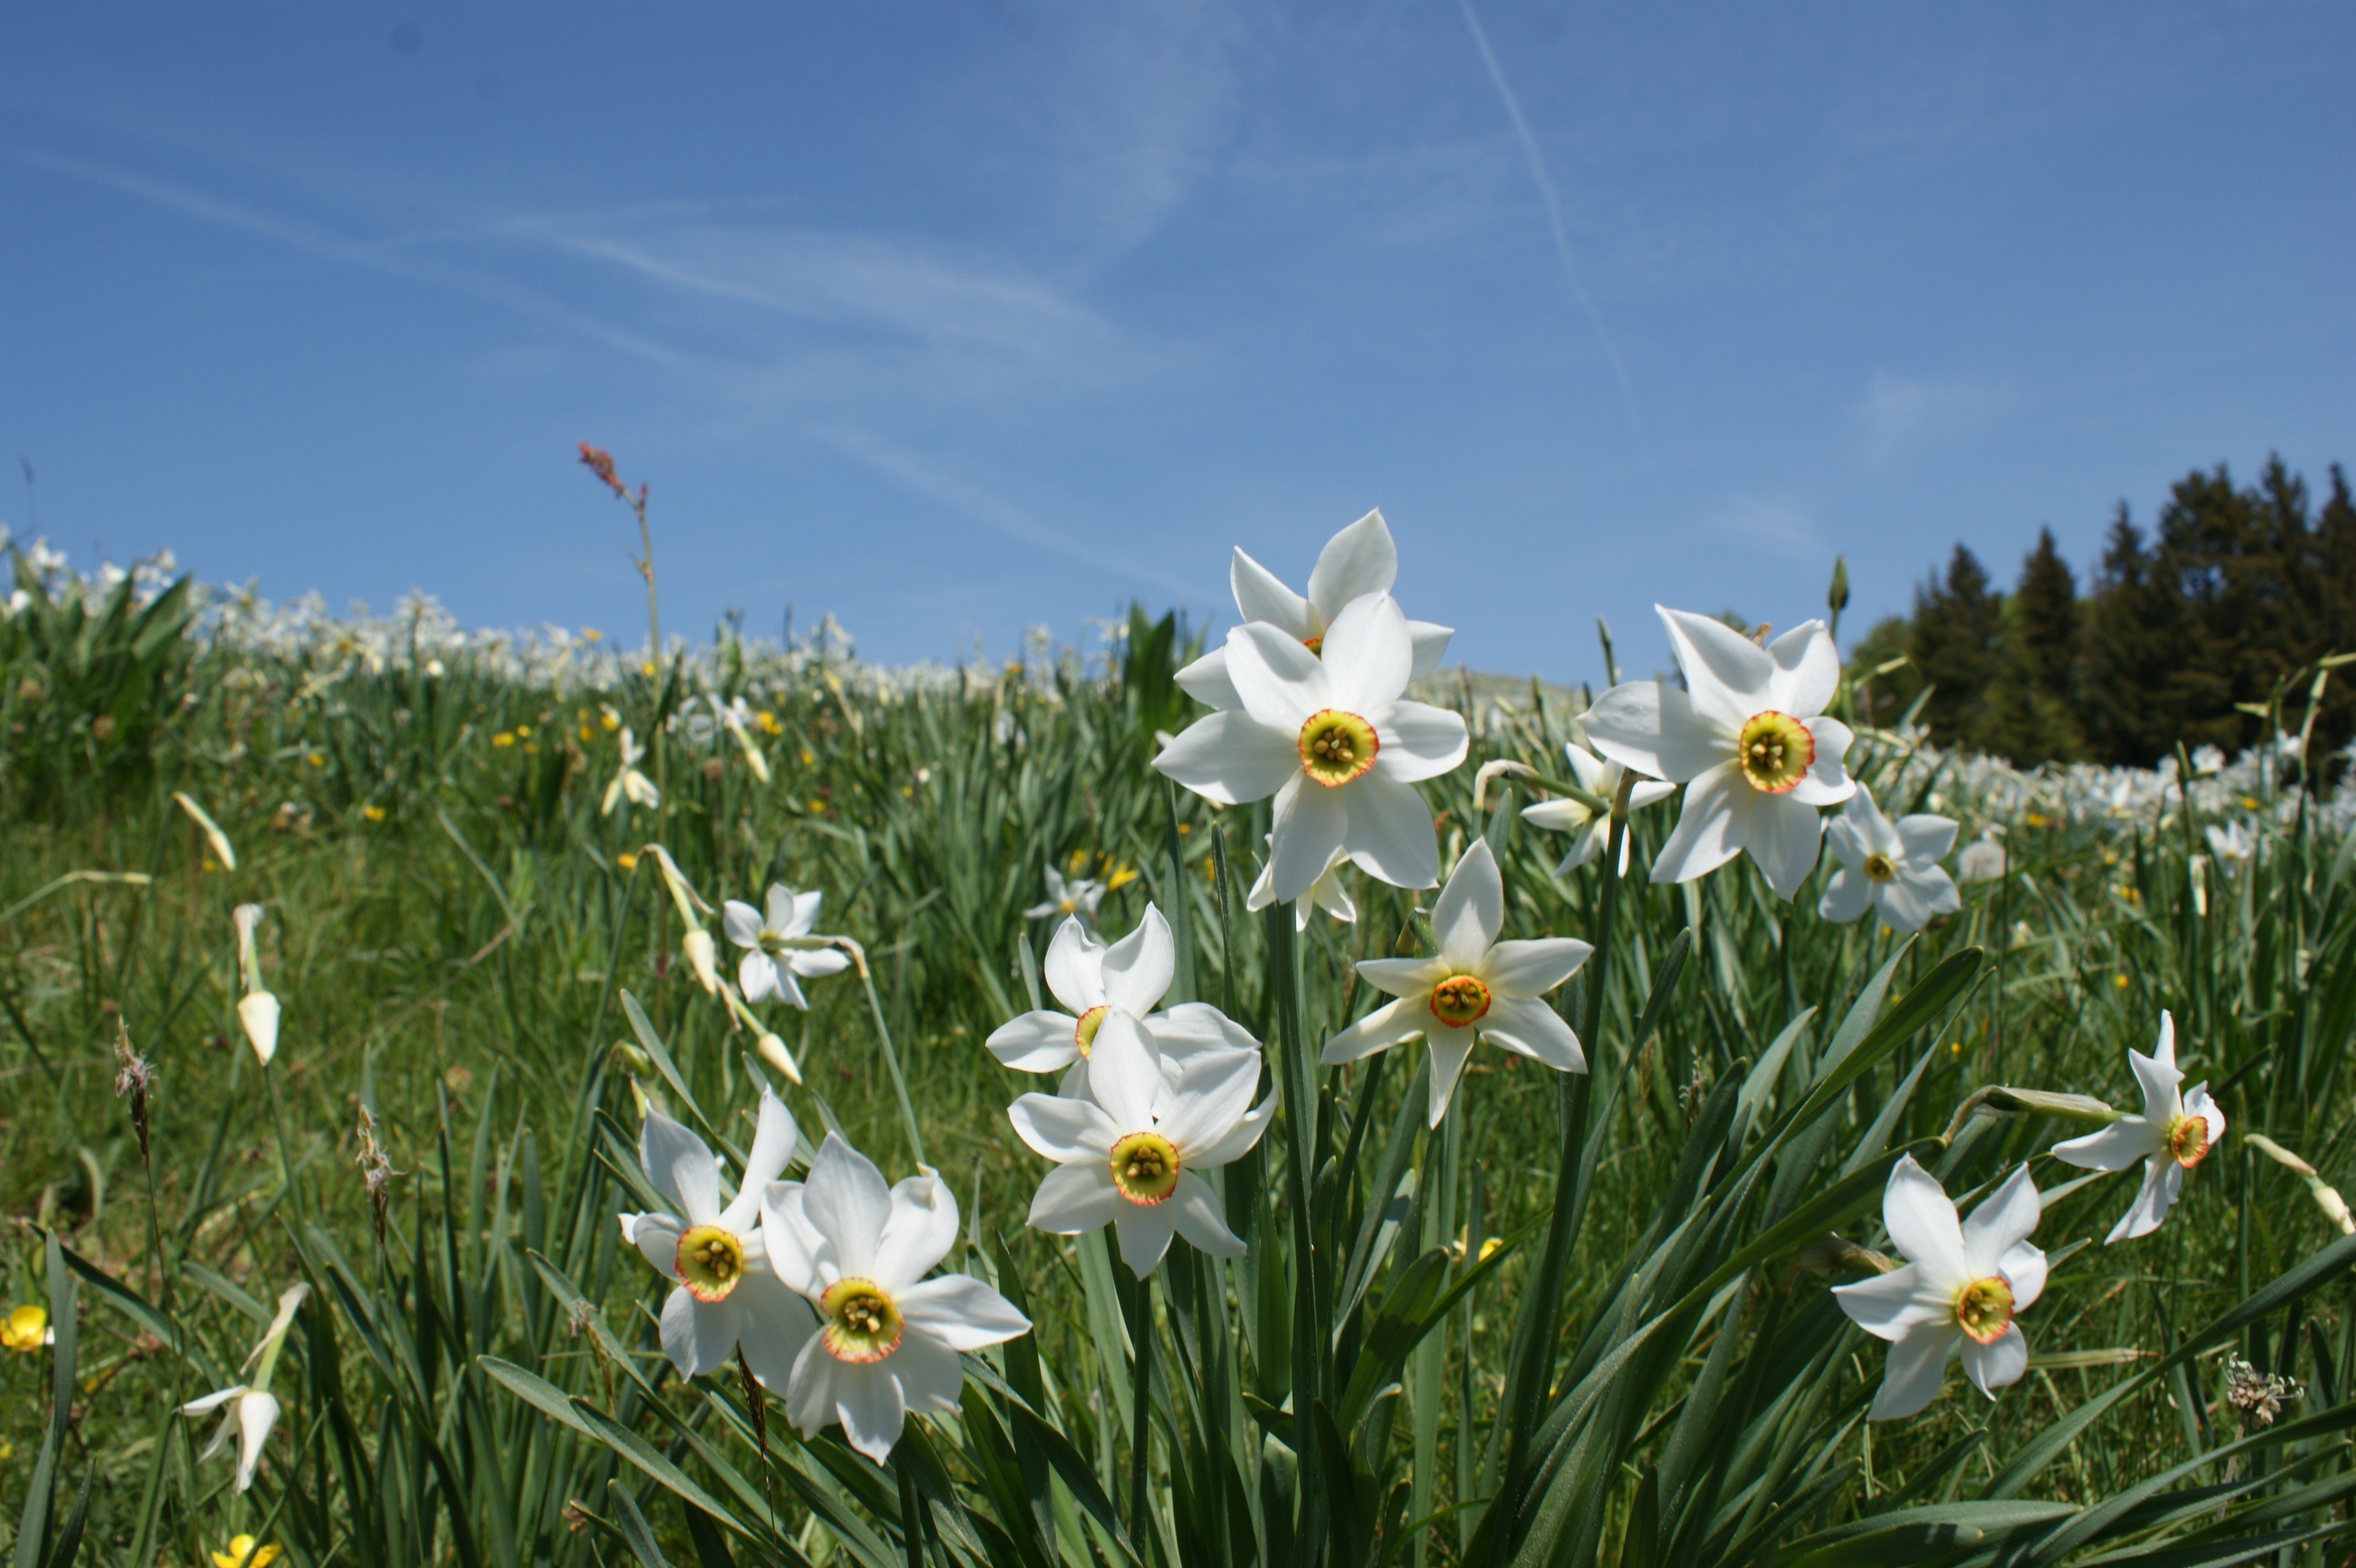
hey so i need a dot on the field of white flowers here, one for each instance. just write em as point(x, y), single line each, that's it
point(514, 1098)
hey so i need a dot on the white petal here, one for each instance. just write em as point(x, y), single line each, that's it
point(774, 1136)
point(2112, 1148)
point(656, 1236)
point(1528, 1026)
point(1649, 792)
point(809, 1388)
point(1418, 741)
point(1196, 1028)
point(773, 1324)
point(962, 1312)
point(1922, 1225)
point(698, 1336)
point(756, 976)
point(213, 1401)
point(1889, 1306)
point(1063, 1130)
point(1924, 837)
point(805, 915)
point(1904, 907)
point(1391, 834)
point(1535, 966)
point(1807, 669)
point(1711, 829)
point(1560, 815)
point(1367, 655)
point(1784, 838)
point(1036, 1042)
point(2164, 1051)
point(1846, 897)
point(1231, 757)
point(1310, 821)
point(1588, 770)
point(1280, 682)
point(256, 1414)
point(1392, 1023)
point(2159, 1082)
point(1826, 782)
point(1652, 728)
point(1124, 1072)
point(1261, 596)
point(2023, 1267)
point(1862, 822)
point(1206, 681)
point(1144, 1235)
point(1138, 968)
point(813, 963)
point(928, 1374)
point(867, 1401)
point(1075, 1198)
point(2162, 1179)
point(921, 1231)
point(845, 1198)
point(1448, 1049)
point(1359, 560)
point(680, 1168)
point(1405, 976)
point(2198, 1103)
point(1430, 645)
point(789, 1242)
point(1918, 1364)
point(1210, 1097)
point(1201, 1219)
point(1994, 1365)
point(1999, 1222)
point(741, 922)
point(1470, 910)
point(1726, 674)
point(1238, 1140)
point(1074, 969)
point(258, 1011)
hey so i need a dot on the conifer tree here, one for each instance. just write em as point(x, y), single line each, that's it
point(1958, 647)
point(2134, 639)
point(2034, 708)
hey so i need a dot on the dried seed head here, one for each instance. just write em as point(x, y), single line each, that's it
point(376, 1172)
point(2258, 1395)
point(134, 1076)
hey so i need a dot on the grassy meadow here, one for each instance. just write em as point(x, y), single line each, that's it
point(470, 951)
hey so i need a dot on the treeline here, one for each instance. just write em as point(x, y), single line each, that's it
point(2176, 635)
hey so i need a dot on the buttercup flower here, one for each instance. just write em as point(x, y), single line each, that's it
point(1093, 981)
point(1601, 779)
point(1890, 867)
point(1078, 897)
point(1329, 735)
point(727, 1295)
point(1131, 1153)
point(27, 1329)
point(2170, 1137)
point(628, 782)
point(244, 1552)
point(1326, 893)
point(253, 1410)
point(1957, 1293)
point(257, 1010)
point(888, 1337)
point(773, 958)
point(1748, 740)
point(1356, 562)
point(1477, 987)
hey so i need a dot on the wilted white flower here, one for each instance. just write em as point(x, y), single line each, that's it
point(1476, 987)
point(1889, 867)
point(1957, 1293)
point(779, 946)
point(2171, 1137)
point(628, 782)
point(257, 1010)
point(1748, 739)
point(888, 1337)
point(252, 1409)
point(1600, 779)
point(1330, 735)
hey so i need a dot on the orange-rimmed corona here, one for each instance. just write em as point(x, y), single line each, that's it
point(1336, 747)
point(1776, 751)
point(863, 1322)
point(2188, 1140)
point(1460, 1000)
point(1145, 1168)
point(711, 1261)
point(1084, 1032)
point(1983, 1309)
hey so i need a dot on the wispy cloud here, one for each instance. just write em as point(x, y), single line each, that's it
point(1900, 416)
point(1779, 524)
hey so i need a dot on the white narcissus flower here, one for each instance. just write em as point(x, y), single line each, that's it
point(629, 783)
point(727, 1293)
point(1748, 739)
point(1476, 987)
point(1078, 896)
point(2170, 1137)
point(888, 1337)
point(252, 1409)
point(775, 945)
point(1359, 560)
point(2232, 844)
point(1326, 893)
point(1957, 1291)
point(1599, 777)
point(1094, 982)
point(1982, 859)
point(1133, 1152)
point(1331, 736)
point(1890, 867)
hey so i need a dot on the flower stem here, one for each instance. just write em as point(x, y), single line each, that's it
point(1140, 1426)
point(892, 1062)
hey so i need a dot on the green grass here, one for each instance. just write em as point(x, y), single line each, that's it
point(453, 934)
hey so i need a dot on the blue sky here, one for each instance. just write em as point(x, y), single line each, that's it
point(957, 318)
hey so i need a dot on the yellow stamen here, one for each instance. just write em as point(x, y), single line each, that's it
point(711, 1261)
point(1983, 1309)
point(862, 1323)
point(1879, 868)
point(2188, 1140)
point(1145, 1168)
point(1336, 747)
point(1084, 1033)
point(1459, 1001)
point(1776, 751)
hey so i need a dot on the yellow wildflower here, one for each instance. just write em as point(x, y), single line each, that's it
point(26, 1330)
point(590, 634)
point(503, 738)
point(2120, 981)
point(1122, 875)
point(316, 759)
point(244, 1554)
point(626, 860)
point(373, 813)
point(769, 723)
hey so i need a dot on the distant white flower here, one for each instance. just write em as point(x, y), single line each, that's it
point(1133, 1152)
point(888, 1337)
point(1982, 859)
point(1600, 778)
point(2170, 1137)
point(1326, 893)
point(1093, 981)
point(1889, 867)
point(1078, 896)
point(1477, 987)
point(1359, 560)
point(628, 782)
point(2233, 845)
point(1747, 737)
point(257, 1010)
point(1957, 1294)
point(772, 960)
point(727, 1293)
point(1331, 736)
point(252, 1409)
